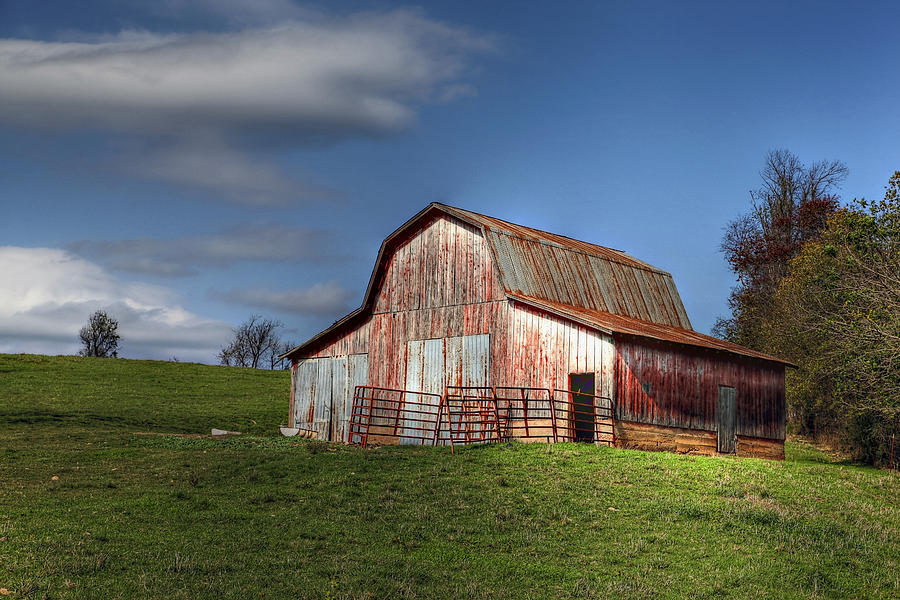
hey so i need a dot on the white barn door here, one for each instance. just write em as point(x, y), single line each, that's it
point(323, 394)
point(432, 365)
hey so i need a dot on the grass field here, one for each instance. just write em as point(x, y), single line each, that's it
point(88, 509)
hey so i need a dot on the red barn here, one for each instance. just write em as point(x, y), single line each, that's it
point(461, 299)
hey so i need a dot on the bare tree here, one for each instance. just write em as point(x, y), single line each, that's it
point(285, 348)
point(100, 337)
point(255, 344)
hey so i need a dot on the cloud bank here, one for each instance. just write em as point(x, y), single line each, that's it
point(49, 293)
point(329, 299)
point(183, 256)
point(205, 100)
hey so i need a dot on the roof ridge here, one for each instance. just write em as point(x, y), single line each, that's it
point(626, 259)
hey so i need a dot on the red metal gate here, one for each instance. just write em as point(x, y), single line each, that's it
point(465, 415)
point(384, 414)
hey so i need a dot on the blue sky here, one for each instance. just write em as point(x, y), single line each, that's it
point(185, 164)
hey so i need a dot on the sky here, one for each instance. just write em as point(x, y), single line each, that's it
point(185, 164)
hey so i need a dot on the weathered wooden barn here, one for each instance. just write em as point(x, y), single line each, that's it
point(562, 335)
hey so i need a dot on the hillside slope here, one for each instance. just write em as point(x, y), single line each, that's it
point(88, 509)
point(102, 393)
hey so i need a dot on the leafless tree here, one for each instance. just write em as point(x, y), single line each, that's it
point(100, 337)
point(255, 344)
point(285, 348)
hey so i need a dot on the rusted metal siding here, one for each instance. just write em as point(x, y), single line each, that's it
point(678, 386)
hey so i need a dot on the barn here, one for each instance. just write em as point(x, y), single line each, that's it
point(477, 329)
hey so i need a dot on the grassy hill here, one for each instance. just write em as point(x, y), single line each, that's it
point(88, 509)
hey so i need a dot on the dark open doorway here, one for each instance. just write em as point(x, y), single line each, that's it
point(582, 387)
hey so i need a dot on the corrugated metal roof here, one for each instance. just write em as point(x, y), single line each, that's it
point(559, 269)
point(618, 324)
point(600, 287)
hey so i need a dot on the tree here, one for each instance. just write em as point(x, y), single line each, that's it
point(788, 210)
point(255, 344)
point(837, 315)
point(286, 346)
point(100, 337)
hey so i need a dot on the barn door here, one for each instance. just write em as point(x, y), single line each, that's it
point(323, 393)
point(476, 360)
point(347, 372)
point(432, 365)
point(312, 397)
point(582, 387)
point(424, 373)
point(725, 420)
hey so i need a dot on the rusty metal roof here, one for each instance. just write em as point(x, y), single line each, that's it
point(600, 287)
point(617, 324)
point(559, 269)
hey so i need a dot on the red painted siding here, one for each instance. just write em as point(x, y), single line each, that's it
point(678, 386)
point(439, 283)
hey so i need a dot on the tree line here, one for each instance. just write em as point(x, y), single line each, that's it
point(818, 284)
point(256, 343)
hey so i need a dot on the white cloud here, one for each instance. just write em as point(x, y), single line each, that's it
point(328, 299)
point(178, 257)
point(201, 96)
point(48, 295)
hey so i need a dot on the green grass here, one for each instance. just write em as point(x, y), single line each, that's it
point(260, 516)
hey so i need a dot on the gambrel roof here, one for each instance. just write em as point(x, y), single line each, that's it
point(559, 269)
point(601, 287)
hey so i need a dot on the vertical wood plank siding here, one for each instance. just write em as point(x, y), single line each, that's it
point(542, 350)
point(441, 283)
point(678, 386)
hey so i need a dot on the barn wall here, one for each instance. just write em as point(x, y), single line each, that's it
point(441, 283)
point(543, 349)
point(446, 264)
point(641, 436)
point(678, 386)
